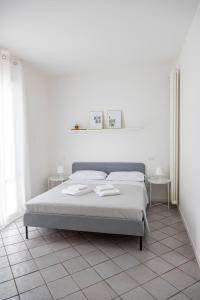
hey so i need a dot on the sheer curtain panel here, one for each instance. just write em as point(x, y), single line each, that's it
point(13, 155)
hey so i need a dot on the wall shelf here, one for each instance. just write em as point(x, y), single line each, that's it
point(105, 130)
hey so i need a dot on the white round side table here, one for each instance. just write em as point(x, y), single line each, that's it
point(55, 180)
point(159, 181)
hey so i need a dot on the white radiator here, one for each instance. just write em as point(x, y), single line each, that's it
point(174, 135)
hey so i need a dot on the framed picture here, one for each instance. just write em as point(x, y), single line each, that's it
point(96, 119)
point(114, 119)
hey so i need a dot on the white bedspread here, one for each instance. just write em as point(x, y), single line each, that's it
point(130, 204)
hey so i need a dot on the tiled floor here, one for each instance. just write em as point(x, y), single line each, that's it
point(67, 265)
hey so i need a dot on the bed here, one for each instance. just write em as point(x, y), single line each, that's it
point(121, 214)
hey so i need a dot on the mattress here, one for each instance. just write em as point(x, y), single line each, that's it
point(130, 204)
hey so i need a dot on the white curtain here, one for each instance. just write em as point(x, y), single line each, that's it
point(174, 134)
point(13, 152)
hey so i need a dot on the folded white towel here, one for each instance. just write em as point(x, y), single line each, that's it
point(104, 187)
point(72, 192)
point(77, 187)
point(107, 192)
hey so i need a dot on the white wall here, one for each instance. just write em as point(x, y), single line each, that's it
point(189, 133)
point(143, 96)
point(36, 95)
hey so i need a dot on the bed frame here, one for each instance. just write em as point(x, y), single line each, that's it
point(89, 223)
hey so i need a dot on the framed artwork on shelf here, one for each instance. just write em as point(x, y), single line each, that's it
point(114, 119)
point(96, 119)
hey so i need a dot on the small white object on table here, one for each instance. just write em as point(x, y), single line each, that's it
point(55, 180)
point(159, 180)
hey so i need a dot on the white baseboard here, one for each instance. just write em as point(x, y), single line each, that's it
point(189, 235)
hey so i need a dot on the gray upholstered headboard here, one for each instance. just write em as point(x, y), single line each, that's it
point(108, 167)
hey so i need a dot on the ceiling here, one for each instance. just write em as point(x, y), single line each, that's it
point(63, 36)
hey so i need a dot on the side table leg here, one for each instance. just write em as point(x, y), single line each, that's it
point(168, 192)
point(150, 194)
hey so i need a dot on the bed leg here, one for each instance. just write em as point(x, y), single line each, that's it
point(140, 243)
point(26, 232)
